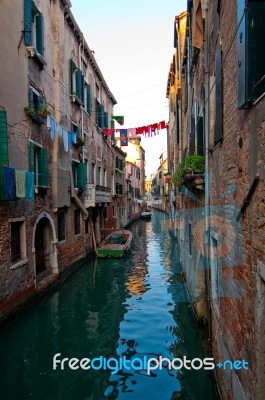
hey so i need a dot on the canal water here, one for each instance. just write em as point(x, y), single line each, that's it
point(135, 308)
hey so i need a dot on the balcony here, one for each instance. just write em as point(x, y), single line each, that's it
point(96, 195)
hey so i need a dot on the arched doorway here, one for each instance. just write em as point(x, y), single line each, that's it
point(44, 247)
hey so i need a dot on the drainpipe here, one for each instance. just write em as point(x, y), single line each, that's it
point(207, 171)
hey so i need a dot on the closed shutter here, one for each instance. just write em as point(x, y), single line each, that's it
point(4, 159)
point(192, 136)
point(31, 98)
point(106, 119)
point(80, 85)
point(43, 167)
point(112, 124)
point(218, 130)
point(40, 103)
point(27, 22)
point(39, 34)
point(200, 141)
point(89, 100)
point(31, 157)
point(81, 175)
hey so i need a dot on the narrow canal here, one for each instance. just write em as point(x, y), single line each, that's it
point(136, 307)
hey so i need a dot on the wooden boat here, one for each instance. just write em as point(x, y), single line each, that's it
point(146, 214)
point(116, 244)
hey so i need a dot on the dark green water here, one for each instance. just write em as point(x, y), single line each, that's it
point(133, 307)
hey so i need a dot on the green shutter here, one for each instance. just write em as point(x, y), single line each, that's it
point(31, 156)
point(200, 140)
point(106, 119)
point(89, 100)
point(31, 99)
point(39, 34)
point(101, 116)
point(72, 68)
point(27, 22)
point(4, 159)
point(81, 175)
point(40, 103)
point(43, 167)
point(79, 85)
point(112, 125)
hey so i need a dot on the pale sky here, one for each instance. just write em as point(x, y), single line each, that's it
point(133, 45)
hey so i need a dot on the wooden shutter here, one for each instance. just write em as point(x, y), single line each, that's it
point(31, 98)
point(200, 141)
point(218, 130)
point(81, 175)
point(39, 34)
point(106, 119)
point(31, 156)
point(80, 85)
point(27, 22)
point(40, 103)
point(43, 167)
point(4, 159)
point(89, 99)
point(192, 136)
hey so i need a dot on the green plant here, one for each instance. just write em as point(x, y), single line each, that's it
point(43, 112)
point(30, 111)
point(191, 164)
point(167, 173)
point(80, 141)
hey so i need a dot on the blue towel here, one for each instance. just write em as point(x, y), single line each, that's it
point(30, 185)
point(9, 176)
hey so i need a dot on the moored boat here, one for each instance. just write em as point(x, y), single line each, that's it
point(146, 214)
point(116, 244)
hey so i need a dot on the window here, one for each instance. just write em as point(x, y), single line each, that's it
point(36, 104)
point(75, 129)
point(77, 222)
point(33, 27)
point(77, 83)
point(38, 163)
point(105, 178)
point(92, 173)
point(119, 188)
point(99, 114)
point(250, 46)
point(218, 130)
point(99, 176)
point(18, 239)
point(88, 98)
point(79, 174)
point(61, 226)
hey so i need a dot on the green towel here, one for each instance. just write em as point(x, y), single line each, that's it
point(20, 183)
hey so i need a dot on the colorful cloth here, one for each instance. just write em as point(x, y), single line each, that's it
point(20, 178)
point(65, 139)
point(9, 177)
point(124, 137)
point(30, 185)
point(52, 123)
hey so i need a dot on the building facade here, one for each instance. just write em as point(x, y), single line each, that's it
point(57, 167)
point(219, 180)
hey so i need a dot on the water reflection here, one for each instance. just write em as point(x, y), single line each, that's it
point(134, 308)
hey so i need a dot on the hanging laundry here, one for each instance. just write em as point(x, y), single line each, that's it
point(70, 140)
point(163, 125)
point(9, 177)
point(65, 139)
point(132, 133)
point(52, 123)
point(56, 127)
point(60, 130)
point(30, 185)
point(48, 123)
point(20, 178)
point(124, 137)
point(74, 140)
point(2, 184)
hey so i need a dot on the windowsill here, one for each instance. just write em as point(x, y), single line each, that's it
point(19, 264)
point(38, 189)
point(75, 99)
point(33, 53)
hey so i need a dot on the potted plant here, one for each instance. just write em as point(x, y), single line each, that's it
point(30, 111)
point(43, 112)
point(80, 141)
point(189, 169)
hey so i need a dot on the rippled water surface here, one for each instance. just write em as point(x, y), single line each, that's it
point(135, 307)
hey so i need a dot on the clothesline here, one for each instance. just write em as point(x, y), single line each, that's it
point(16, 184)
